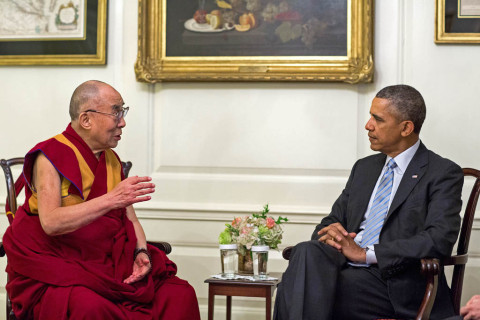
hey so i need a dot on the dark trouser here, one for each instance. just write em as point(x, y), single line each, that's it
point(320, 284)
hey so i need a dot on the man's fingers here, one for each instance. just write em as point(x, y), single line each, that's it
point(142, 192)
point(334, 235)
point(334, 227)
point(331, 241)
point(137, 179)
point(145, 185)
point(129, 280)
point(141, 199)
point(340, 229)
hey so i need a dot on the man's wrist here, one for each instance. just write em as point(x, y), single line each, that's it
point(140, 250)
point(371, 257)
point(366, 249)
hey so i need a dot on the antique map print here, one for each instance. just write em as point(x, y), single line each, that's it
point(42, 20)
point(469, 8)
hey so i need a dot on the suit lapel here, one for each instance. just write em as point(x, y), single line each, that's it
point(414, 173)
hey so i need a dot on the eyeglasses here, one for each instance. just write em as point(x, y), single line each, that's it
point(117, 114)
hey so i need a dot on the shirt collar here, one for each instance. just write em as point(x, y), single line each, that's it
point(403, 159)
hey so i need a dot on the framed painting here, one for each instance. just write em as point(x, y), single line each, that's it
point(457, 21)
point(53, 32)
point(255, 40)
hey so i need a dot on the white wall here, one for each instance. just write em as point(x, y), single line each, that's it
point(219, 150)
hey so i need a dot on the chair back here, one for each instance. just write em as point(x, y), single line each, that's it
point(464, 238)
point(10, 181)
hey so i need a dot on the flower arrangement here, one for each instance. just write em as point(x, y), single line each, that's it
point(257, 229)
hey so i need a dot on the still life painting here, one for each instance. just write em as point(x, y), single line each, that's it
point(255, 40)
point(257, 28)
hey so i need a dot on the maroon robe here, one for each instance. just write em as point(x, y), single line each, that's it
point(80, 274)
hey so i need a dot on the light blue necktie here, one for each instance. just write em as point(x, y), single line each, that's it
point(379, 209)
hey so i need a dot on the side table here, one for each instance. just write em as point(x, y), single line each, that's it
point(241, 288)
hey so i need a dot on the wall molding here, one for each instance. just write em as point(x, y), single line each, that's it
point(223, 212)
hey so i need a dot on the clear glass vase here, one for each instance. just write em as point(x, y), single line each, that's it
point(245, 263)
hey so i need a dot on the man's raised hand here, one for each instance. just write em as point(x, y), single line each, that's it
point(132, 190)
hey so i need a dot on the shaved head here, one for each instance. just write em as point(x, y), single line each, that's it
point(85, 93)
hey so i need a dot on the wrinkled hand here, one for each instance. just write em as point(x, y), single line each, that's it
point(336, 236)
point(472, 309)
point(141, 267)
point(132, 190)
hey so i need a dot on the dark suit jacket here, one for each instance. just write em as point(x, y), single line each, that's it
point(423, 221)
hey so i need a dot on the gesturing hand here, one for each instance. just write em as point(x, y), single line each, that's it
point(131, 190)
point(141, 267)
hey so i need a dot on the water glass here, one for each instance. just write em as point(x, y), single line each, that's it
point(229, 259)
point(260, 259)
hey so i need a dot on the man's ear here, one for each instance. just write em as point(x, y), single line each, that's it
point(84, 121)
point(408, 128)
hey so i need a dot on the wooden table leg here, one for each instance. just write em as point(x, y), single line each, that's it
point(211, 303)
point(269, 304)
point(229, 307)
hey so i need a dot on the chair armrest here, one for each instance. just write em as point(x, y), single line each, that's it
point(164, 246)
point(455, 260)
point(2, 249)
point(287, 252)
point(430, 269)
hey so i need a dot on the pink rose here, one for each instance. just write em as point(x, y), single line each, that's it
point(270, 223)
point(236, 221)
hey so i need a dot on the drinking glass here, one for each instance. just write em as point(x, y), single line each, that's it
point(260, 259)
point(229, 260)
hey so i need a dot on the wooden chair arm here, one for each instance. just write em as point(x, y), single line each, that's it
point(287, 252)
point(430, 269)
point(164, 246)
point(2, 249)
point(455, 260)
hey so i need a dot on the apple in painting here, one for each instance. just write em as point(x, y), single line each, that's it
point(200, 16)
point(247, 19)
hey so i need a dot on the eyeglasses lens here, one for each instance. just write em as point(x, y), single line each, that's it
point(122, 113)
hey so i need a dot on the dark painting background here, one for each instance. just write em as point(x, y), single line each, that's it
point(323, 27)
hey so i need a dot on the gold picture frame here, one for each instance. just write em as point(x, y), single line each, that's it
point(154, 64)
point(89, 49)
point(456, 22)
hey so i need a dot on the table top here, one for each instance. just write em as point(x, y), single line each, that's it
point(277, 275)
